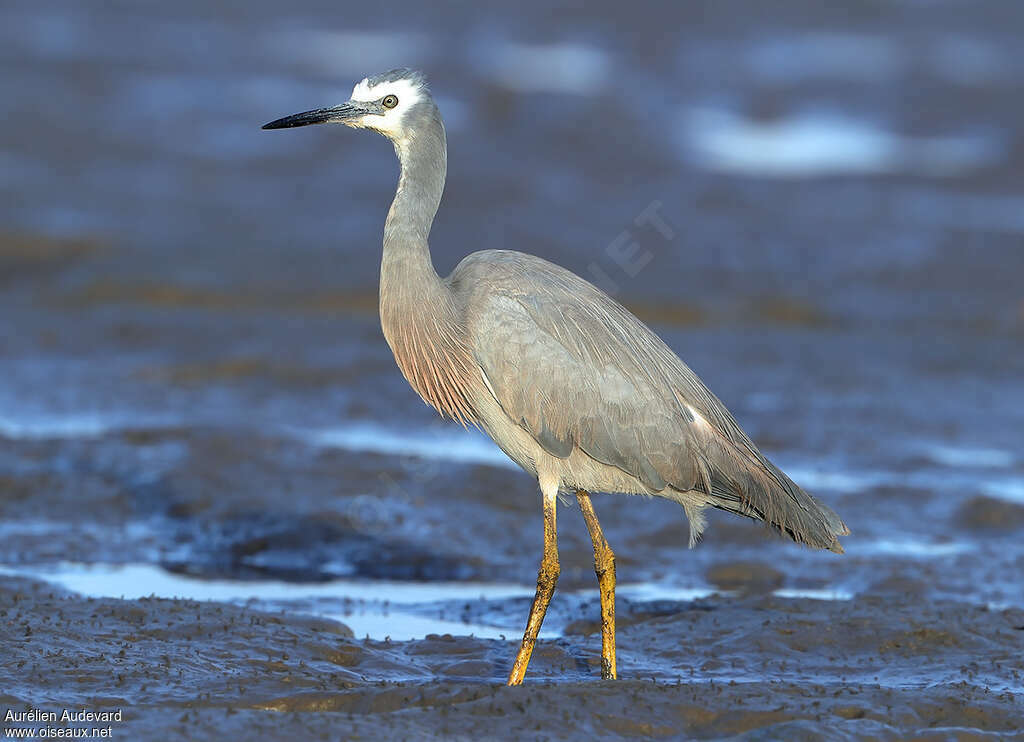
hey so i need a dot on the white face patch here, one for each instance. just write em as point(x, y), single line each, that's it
point(390, 123)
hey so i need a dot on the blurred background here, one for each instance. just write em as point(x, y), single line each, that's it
point(195, 395)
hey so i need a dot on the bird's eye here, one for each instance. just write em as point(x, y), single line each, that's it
point(389, 101)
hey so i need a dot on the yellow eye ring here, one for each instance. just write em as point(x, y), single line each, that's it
point(389, 101)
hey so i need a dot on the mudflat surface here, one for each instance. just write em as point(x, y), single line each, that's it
point(884, 668)
point(196, 401)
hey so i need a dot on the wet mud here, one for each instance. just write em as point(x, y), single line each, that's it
point(880, 668)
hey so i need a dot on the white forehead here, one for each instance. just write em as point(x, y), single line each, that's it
point(406, 91)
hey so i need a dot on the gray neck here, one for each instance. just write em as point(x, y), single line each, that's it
point(418, 312)
point(424, 160)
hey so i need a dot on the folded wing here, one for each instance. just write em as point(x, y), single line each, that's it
point(575, 369)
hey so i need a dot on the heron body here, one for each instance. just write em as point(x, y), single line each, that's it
point(566, 381)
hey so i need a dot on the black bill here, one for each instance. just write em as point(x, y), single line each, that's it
point(335, 114)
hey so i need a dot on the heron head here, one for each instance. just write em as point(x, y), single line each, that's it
point(381, 103)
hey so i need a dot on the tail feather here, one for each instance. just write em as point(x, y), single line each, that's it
point(758, 489)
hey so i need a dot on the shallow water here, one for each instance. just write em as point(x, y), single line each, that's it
point(377, 609)
point(196, 399)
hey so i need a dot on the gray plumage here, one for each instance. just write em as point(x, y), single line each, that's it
point(572, 387)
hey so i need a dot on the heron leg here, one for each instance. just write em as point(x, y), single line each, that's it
point(604, 566)
point(547, 577)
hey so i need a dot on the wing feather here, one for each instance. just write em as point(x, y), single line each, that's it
point(575, 369)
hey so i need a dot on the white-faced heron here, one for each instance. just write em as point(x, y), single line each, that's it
point(569, 384)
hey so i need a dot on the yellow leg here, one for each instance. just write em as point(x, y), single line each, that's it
point(604, 566)
point(547, 577)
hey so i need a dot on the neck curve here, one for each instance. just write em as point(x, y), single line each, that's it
point(407, 275)
point(423, 157)
point(417, 310)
